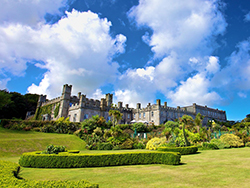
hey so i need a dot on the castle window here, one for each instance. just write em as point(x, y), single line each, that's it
point(152, 114)
point(144, 114)
point(128, 116)
point(134, 116)
point(86, 116)
point(74, 118)
point(139, 115)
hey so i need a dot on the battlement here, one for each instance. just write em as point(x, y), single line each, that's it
point(52, 101)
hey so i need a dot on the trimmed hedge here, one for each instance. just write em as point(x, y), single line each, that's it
point(68, 160)
point(9, 178)
point(183, 150)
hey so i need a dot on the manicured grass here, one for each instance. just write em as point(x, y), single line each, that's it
point(14, 143)
point(211, 168)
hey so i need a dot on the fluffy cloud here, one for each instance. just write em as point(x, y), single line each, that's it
point(194, 90)
point(28, 12)
point(181, 26)
point(76, 50)
point(183, 36)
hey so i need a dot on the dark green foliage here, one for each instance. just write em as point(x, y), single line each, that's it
point(65, 160)
point(95, 121)
point(183, 150)
point(105, 146)
point(140, 127)
point(51, 149)
point(63, 126)
point(15, 105)
point(56, 111)
point(208, 146)
point(139, 145)
point(9, 173)
point(47, 109)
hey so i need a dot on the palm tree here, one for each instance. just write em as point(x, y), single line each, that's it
point(185, 121)
point(116, 116)
point(198, 121)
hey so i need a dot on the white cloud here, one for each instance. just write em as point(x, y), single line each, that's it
point(28, 12)
point(242, 95)
point(194, 90)
point(181, 26)
point(77, 50)
point(3, 83)
point(213, 66)
point(97, 94)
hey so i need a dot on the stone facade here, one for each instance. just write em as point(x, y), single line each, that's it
point(78, 108)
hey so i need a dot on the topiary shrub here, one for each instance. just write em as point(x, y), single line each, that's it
point(232, 140)
point(155, 142)
point(138, 145)
point(182, 150)
point(66, 160)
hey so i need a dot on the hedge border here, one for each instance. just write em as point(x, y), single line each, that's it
point(71, 160)
point(9, 173)
point(183, 150)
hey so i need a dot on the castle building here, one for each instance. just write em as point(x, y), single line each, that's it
point(78, 108)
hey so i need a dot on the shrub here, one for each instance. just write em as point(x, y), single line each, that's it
point(140, 127)
point(105, 146)
point(66, 160)
point(247, 144)
point(155, 142)
point(127, 144)
point(208, 146)
point(54, 149)
point(219, 143)
point(232, 140)
point(138, 145)
point(183, 150)
point(9, 173)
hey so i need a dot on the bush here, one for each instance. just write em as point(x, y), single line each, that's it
point(155, 142)
point(219, 143)
point(138, 145)
point(9, 173)
point(232, 140)
point(208, 146)
point(105, 146)
point(127, 144)
point(247, 144)
point(54, 149)
point(66, 160)
point(182, 150)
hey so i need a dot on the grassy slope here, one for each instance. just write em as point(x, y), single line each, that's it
point(14, 143)
point(213, 168)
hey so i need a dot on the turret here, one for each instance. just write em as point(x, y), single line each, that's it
point(109, 99)
point(65, 100)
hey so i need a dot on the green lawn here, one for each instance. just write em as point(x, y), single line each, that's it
point(213, 168)
point(209, 168)
point(14, 143)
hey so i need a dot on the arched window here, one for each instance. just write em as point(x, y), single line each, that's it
point(152, 114)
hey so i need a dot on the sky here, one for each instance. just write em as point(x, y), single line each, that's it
point(182, 52)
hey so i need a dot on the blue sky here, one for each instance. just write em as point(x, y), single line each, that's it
point(182, 52)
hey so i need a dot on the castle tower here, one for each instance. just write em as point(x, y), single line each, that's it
point(109, 99)
point(65, 100)
point(41, 99)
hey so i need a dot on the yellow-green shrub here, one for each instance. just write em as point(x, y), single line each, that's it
point(9, 173)
point(183, 150)
point(155, 142)
point(232, 140)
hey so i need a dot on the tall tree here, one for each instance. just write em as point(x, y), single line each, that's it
point(116, 116)
point(186, 121)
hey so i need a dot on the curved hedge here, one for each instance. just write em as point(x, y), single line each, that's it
point(70, 160)
point(183, 150)
point(9, 173)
